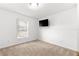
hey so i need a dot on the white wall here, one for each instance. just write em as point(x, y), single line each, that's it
point(78, 26)
point(8, 28)
point(62, 30)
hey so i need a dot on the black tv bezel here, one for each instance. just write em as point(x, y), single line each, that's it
point(42, 23)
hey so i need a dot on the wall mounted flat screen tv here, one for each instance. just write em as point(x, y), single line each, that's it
point(44, 22)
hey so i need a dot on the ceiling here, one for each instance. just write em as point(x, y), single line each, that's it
point(45, 9)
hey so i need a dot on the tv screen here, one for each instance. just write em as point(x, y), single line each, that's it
point(43, 22)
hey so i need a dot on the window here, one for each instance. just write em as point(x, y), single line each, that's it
point(21, 29)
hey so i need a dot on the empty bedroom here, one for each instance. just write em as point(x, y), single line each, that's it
point(39, 29)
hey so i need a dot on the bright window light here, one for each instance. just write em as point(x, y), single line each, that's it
point(21, 23)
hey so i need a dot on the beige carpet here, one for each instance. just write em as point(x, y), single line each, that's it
point(36, 48)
